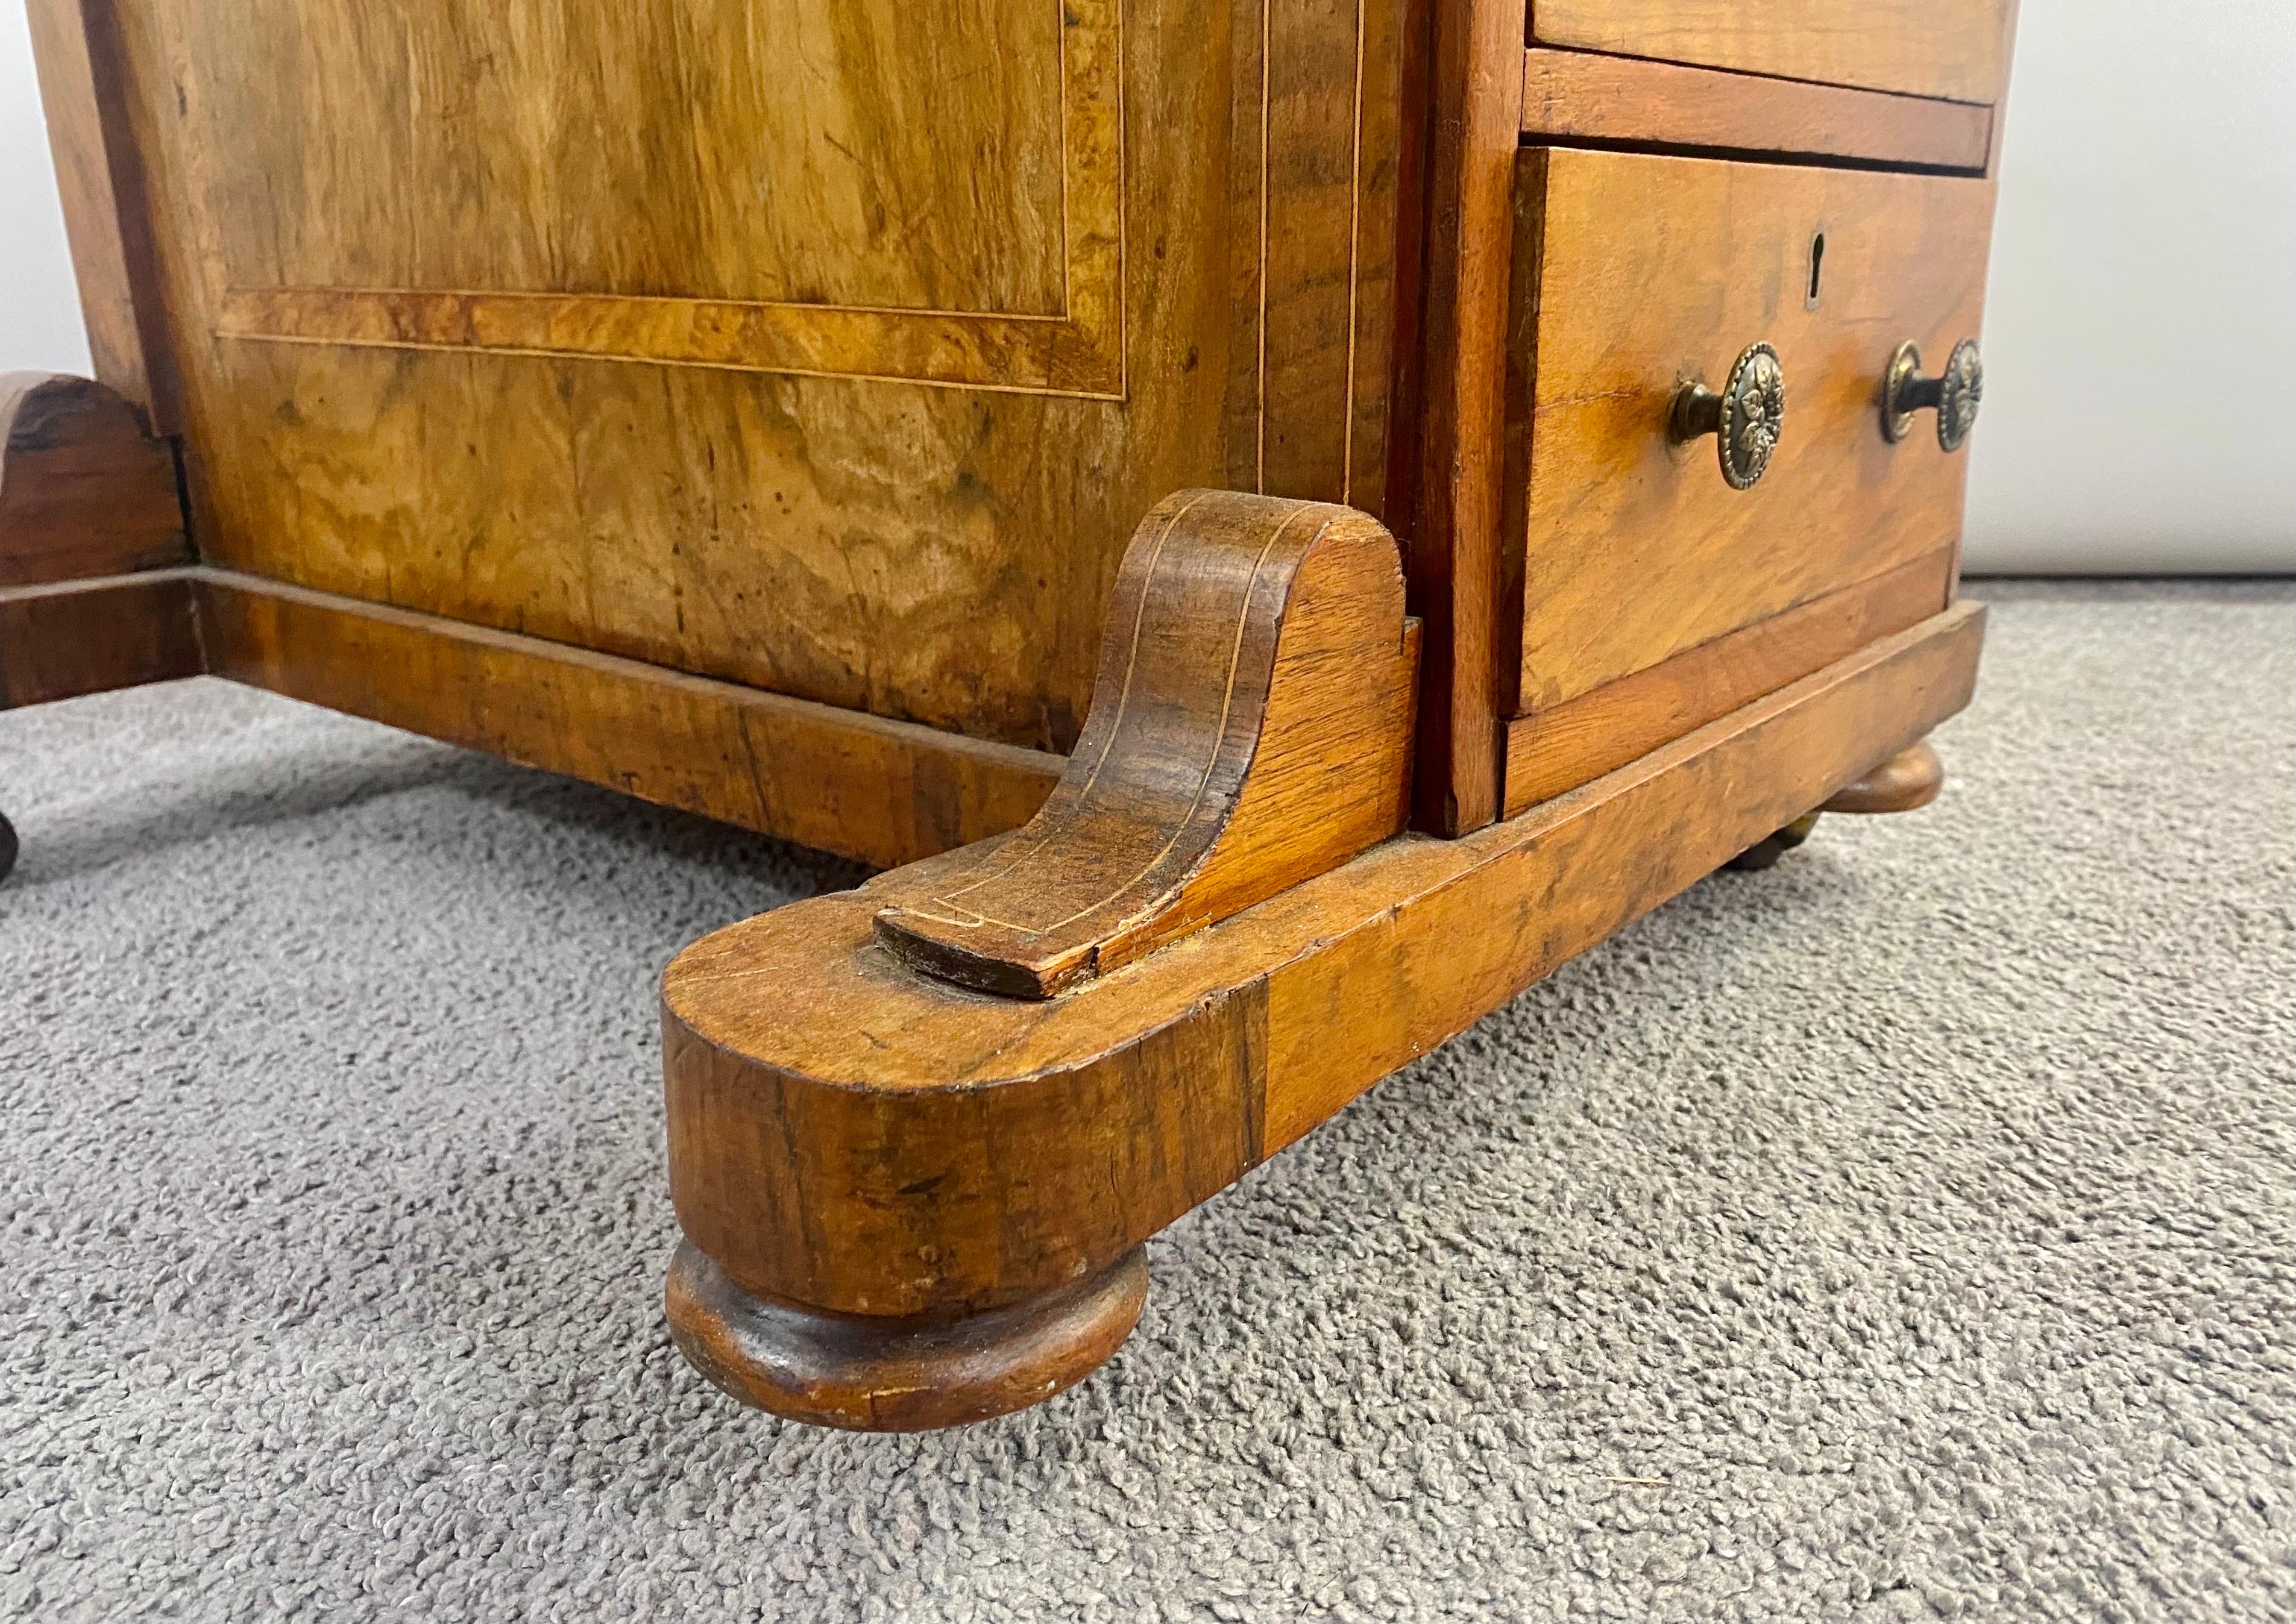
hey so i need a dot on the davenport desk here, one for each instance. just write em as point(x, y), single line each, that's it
point(1276, 522)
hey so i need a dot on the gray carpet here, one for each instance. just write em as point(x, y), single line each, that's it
point(1907, 1232)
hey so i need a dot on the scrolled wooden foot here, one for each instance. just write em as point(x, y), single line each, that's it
point(1251, 727)
point(84, 491)
point(1905, 782)
point(898, 1374)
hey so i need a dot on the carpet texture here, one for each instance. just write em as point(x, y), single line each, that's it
point(1907, 1232)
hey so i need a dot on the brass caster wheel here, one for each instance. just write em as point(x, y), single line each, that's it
point(1765, 854)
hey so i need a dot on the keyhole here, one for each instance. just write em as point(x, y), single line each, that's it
point(1816, 267)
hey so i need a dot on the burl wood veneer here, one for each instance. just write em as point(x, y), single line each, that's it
point(1289, 520)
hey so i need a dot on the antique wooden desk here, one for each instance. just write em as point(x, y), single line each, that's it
point(1379, 494)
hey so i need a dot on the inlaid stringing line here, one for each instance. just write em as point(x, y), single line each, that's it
point(1354, 244)
point(1067, 261)
point(256, 314)
point(1227, 705)
point(1259, 468)
point(1115, 728)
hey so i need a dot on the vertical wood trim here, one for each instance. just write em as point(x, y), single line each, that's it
point(83, 90)
point(1317, 108)
point(1454, 547)
point(1406, 355)
point(1355, 256)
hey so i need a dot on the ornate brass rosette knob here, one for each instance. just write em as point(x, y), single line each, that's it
point(1955, 395)
point(1744, 418)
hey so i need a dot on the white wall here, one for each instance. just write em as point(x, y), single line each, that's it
point(2140, 339)
point(39, 310)
point(2140, 328)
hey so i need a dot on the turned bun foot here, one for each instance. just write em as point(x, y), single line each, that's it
point(1763, 853)
point(1907, 780)
point(1904, 782)
point(897, 1376)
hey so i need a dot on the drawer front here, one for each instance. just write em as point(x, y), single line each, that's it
point(1958, 49)
point(1636, 274)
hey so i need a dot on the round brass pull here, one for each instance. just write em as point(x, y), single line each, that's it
point(1954, 394)
point(1744, 418)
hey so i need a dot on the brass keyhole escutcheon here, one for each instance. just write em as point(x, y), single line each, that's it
point(1745, 416)
point(1955, 395)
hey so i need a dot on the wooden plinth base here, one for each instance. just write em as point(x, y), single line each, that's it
point(898, 1375)
point(847, 1132)
point(885, 792)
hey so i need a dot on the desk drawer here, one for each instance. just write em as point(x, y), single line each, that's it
point(1637, 274)
point(1957, 49)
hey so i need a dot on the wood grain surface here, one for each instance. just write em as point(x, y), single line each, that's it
point(1454, 550)
point(84, 92)
point(65, 638)
point(607, 327)
point(1251, 727)
point(1958, 49)
point(1554, 750)
point(851, 1137)
point(884, 792)
point(1646, 272)
point(84, 491)
point(901, 1376)
point(1582, 95)
point(1907, 781)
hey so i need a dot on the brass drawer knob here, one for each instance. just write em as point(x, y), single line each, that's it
point(1744, 418)
point(1954, 394)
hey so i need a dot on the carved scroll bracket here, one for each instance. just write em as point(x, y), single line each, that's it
point(1251, 727)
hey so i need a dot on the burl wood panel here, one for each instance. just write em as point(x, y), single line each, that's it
point(819, 346)
point(1644, 272)
point(1251, 727)
point(849, 1136)
point(84, 491)
point(1582, 95)
point(1958, 49)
